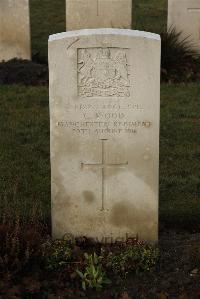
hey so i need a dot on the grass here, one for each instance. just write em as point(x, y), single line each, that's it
point(48, 17)
point(24, 149)
point(179, 157)
point(25, 161)
point(150, 15)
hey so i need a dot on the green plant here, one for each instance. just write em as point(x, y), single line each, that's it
point(180, 60)
point(93, 275)
point(57, 254)
point(135, 258)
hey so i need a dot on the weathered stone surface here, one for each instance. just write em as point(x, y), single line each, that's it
point(14, 29)
point(87, 14)
point(104, 108)
point(184, 15)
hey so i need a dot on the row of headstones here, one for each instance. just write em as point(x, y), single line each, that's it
point(80, 14)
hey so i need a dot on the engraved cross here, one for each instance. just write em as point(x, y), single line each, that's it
point(195, 10)
point(103, 165)
point(97, 8)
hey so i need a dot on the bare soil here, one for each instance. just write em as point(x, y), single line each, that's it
point(18, 71)
point(177, 276)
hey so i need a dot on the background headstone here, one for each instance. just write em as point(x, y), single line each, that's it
point(184, 16)
point(87, 14)
point(14, 29)
point(104, 109)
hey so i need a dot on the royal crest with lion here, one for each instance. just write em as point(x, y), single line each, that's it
point(103, 72)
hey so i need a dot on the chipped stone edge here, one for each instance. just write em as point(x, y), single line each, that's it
point(104, 31)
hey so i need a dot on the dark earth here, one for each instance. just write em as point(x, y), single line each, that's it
point(177, 275)
point(18, 71)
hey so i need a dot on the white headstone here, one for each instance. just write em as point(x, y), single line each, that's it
point(14, 29)
point(104, 110)
point(88, 14)
point(184, 16)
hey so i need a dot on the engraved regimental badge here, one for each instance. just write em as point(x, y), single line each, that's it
point(103, 72)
